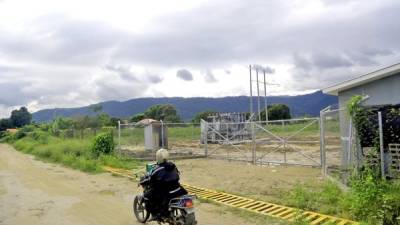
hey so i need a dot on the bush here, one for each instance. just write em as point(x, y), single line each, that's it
point(374, 200)
point(40, 136)
point(19, 134)
point(103, 144)
point(3, 134)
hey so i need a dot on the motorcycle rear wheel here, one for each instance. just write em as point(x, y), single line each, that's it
point(139, 209)
point(182, 218)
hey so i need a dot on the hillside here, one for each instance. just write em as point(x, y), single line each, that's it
point(309, 104)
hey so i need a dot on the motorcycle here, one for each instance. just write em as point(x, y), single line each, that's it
point(180, 210)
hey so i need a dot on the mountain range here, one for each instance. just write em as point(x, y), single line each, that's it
point(300, 105)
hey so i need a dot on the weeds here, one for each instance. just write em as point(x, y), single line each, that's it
point(326, 200)
point(72, 153)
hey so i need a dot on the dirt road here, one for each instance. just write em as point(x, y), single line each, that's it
point(34, 192)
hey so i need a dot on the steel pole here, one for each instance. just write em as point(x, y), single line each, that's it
point(258, 96)
point(119, 137)
point(162, 134)
point(265, 99)
point(251, 93)
point(253, 141)
point(381, 144)
point(206, 140)
point(322, 143)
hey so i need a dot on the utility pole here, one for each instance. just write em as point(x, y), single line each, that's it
point(253, 140)
point(251, 93)
point(258, 96)
point(265, 99)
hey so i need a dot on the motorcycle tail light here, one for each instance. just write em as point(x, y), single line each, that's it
point(189, 203)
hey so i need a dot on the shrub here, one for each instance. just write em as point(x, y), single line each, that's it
point(374, 200)
point(19, 134)
point(39, 136)
point(103, 144)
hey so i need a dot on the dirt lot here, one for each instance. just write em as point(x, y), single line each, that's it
point(34, 192)
point(262, 182)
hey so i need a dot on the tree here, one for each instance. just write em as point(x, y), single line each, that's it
point(61, 123)
point(114, 121)
point(203, 115)
point(165, 112)
point(20, 117)
point(137, 117)
point(104, 120)
point(5, 124)
point(277, 112)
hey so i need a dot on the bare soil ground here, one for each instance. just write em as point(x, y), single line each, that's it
point(34, 192)
point(261, 182)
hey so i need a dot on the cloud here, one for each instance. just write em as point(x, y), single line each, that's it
point(209, 77)
point(123, 72)
point(184, 74)
point(70, 59)
point(12, 93)
point(154, 79)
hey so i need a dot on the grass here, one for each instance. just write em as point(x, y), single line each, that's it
point(73, 153)
point(326, 200)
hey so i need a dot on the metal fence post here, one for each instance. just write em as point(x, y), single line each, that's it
point(322, 143)
point(119, 137)
point(206, 140)
point(381, 144)
point(350, 144)
point(253, 142)
point(162, 134)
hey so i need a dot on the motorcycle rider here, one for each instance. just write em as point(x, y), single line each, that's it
point(164, 185)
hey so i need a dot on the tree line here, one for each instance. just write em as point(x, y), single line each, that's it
point(166, 112)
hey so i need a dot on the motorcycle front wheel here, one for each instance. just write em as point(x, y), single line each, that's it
point(139, 209)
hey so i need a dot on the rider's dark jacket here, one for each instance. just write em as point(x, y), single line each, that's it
point(164, 184)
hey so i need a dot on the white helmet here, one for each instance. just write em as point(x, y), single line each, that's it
point(162, 155)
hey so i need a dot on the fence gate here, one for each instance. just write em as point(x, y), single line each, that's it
point(294, 141)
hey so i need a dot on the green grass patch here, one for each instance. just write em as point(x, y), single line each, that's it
point(327, 200)
point(73, 153)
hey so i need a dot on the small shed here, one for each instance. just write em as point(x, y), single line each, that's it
point(382, 88)
point(155, 134)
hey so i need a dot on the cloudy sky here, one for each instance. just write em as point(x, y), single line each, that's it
point(74, 52)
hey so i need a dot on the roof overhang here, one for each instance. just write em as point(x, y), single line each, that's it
point(366, 78)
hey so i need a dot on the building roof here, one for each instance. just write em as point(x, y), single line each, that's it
point(12, 130)
point(366, 78)
point(146, 122)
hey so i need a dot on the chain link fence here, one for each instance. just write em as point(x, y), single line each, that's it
point(348, 147)
point(335, 142)
point(290, 142)
point(141, 140)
